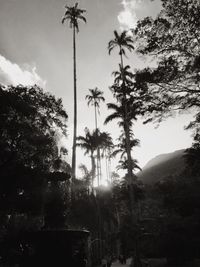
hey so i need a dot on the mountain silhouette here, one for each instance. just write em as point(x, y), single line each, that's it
point(162, 166)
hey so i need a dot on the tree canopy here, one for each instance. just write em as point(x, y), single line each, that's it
point(172, 39)
point(30, 124)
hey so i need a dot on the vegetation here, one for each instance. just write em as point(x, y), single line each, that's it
point(30, 157)
point(73, 15)
point(94, 99)
point(158, 218)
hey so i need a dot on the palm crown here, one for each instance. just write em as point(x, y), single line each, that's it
point(73, 14)
point(119, 112)
point(123, 41)
point(95, 97)
point(124, 73)
point(87, 142)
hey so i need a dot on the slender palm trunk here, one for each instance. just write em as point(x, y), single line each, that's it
point(95, 112)
point(75, 113)
point(100, 169)
point(126, 129)
point(93, 170)
point(107, 170)
point(137, 262)
point(98, 159)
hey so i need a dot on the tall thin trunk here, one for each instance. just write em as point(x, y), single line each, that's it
point(100, 169)
point(75, 113)
point(95, 112)
point(137, 262)
point(107, 170)
point(93, 170)
point(126, 127)
point(98, 159)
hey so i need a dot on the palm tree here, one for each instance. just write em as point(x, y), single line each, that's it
point(124, 75)
point(94, 99)
point(106, 145)
point(86, 178)
point(122, 41)
point(123, 83)
point(119, 113)
point(89, 144)
point(121, 147)
point(73, 15)
point(123, 164)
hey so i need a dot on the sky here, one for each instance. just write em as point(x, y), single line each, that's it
point(36, 48)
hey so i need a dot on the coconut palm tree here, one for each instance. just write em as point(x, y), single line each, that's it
point(73, 15)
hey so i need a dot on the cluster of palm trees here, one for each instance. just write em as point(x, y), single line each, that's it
point(97, 145)
point(126, 109)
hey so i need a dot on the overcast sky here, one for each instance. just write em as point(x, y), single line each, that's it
point(36, 48)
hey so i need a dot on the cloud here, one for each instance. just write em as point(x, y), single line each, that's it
point(128, 16)
point(11, 73)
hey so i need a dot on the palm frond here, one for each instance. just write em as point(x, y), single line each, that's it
point(112, 117)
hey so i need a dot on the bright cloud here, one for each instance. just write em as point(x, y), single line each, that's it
point(11, 73)
point(128, 16)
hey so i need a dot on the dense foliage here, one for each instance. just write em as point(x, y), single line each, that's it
point(30, 123)
point(172, 39)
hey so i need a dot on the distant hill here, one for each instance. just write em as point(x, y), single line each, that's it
point(162, 166)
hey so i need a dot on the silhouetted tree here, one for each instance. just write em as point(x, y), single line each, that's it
point(73, 15)
point(95, 97)
point(30, 123)
point(89, 144)
point(172, 39)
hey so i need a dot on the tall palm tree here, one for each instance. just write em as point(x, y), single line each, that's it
point(94, 99)
point(73, 15)
point(89, 144)
point(123, 41)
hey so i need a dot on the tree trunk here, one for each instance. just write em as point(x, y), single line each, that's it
point(137, 262)
point(93, 170)
point(75, 114)
point(95, 112)
point(98, 159)
point(126, 128)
